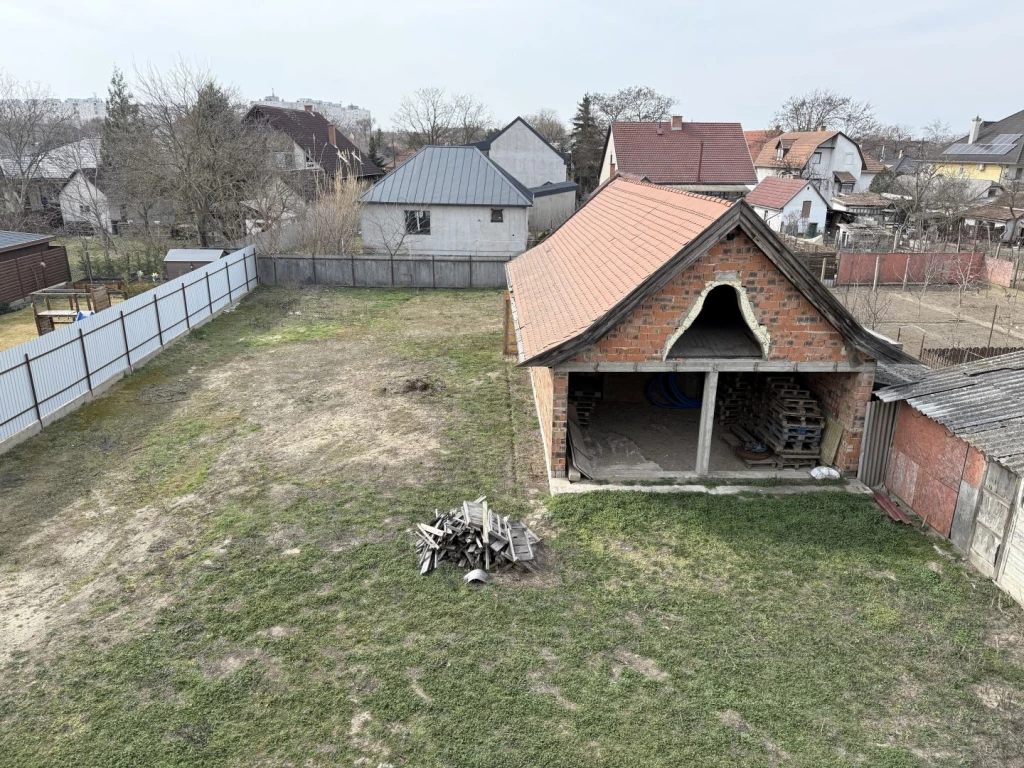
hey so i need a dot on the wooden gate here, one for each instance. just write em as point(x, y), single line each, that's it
point(1011, 576)
point(997, 496)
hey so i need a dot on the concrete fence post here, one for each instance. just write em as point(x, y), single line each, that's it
point(878, 267)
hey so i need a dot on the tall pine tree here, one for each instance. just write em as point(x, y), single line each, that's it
point(587, 145)
point(376, 144)
point(122, 122)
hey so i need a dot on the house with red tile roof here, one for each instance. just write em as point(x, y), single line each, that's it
point(709, 158)
point(831, 159)
point(654, 315)
point(788, 205)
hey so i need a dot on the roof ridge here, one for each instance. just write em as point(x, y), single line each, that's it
point(632, 179)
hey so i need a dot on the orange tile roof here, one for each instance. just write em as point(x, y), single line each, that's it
point(757, 139)
point(775, 191)
point(802, 144)
point(589, 265)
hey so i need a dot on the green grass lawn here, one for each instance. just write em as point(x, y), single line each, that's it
point(212, 566)
point(17, 327)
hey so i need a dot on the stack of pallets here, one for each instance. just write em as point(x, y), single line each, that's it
point(787, 418)
point(585, 397)
point(474, 537)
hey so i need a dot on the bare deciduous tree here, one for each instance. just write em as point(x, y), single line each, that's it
point(388, 229)
point(825, 109)
point(639, 103)
point(33, 126)
point(209, 158)
point(433, 116)
point(549, 125)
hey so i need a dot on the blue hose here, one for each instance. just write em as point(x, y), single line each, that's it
point(664, 384)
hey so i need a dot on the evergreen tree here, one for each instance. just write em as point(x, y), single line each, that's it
point(121, 123)
point(375, 144)
point(587, 145)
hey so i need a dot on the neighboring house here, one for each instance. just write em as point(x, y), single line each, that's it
point(43, 178)
point(521, 151)
point(709, 158)
point(991, 153)
point(646, 281)
point(790, 206)
point(757, 139)
point(29, 262)
point(84, 204)
point(830, 159)
point(997, 223)
point(313, 148)
point(447, 201)
point(957, 457)
point(181, 261)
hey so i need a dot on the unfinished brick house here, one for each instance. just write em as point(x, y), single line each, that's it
point(631, 314)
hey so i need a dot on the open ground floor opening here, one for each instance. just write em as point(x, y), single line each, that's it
point(660, 425)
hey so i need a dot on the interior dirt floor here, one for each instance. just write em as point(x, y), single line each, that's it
point(638, 441)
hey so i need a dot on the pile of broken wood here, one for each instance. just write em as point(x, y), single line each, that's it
point(474, 537)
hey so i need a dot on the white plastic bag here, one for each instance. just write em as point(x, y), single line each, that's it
point(825, 473)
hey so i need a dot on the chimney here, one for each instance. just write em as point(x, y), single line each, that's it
point(309, 107)
point(332, 135)
point(975, 130)
point(677, 122)
point(661, 129)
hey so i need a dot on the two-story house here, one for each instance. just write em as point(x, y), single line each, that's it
point(532, 160)
point(830, 159)
point(991, 155)
point(709, 158)
point(313, 147)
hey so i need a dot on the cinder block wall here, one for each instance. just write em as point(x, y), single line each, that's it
point(926, 466)
point(844, 396)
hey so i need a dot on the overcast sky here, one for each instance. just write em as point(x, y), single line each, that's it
point(915, 60)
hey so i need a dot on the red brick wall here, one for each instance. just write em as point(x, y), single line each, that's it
point(551, 389)
point(926, 465)
point(844, 396)
point(796, 330)
point(997, 271)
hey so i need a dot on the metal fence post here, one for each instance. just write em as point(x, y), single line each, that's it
point(85, 359)
point(184, 302)
point(32, 385)
point(227, 274)
point(156, 310)
point(209, 296)
point(127, 349)
point(245, 265)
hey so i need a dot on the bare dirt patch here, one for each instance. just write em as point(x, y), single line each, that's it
point(642, 666)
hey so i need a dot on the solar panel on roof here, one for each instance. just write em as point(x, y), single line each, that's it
point(1000, 145)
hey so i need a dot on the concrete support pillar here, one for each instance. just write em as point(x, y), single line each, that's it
point(707, 422)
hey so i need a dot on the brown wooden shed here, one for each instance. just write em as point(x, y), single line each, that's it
point(28, 262)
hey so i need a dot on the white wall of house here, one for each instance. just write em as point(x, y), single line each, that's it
point(606, 162)
point(455, 230)
point(550, 211)
point(523, 154)
point(81, 202)
point(793, 213)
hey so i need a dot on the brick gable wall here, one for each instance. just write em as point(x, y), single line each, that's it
point(797, 330)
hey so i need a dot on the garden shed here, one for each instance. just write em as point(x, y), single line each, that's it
point(181, 261)
point(29, 262)
point(670, 334)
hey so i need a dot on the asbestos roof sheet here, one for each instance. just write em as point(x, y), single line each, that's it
point(698, 153)
point(981, 402)
point(449, 176)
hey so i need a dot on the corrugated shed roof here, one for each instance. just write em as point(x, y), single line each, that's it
point(775, 191)
point(698, 153)
point(981, 402)
point(11, 240)
point(449, 176)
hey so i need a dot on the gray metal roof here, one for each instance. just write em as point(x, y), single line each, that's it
point(194, 254)
point(449, 176)
point(554, 188)
point(981, 402)
point(11, 240)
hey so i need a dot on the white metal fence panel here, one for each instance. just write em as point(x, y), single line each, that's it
point(41, 376)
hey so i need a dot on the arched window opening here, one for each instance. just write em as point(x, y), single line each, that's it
point(719, 330)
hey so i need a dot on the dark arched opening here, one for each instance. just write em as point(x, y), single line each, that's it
point(719, 330)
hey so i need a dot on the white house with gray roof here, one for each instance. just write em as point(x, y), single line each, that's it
point(447, 201)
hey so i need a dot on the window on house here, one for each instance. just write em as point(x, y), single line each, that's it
point(780, 153)
point(497, 215)
point(282, 159)
point(417, 222)
point(83, 208)
point(805, 211)
point(844, 188)
point(849, 159)
point(816, 158)
point(981, 166)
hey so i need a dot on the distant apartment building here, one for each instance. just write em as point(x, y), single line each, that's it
point(339, 114)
